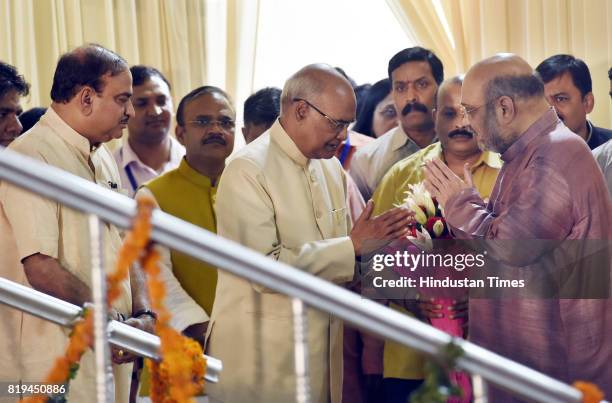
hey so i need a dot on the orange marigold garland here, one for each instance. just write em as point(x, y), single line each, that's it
point(134, 243)
point(81, 337)
point(65, 367)
point(590, 392)
point(180, 374)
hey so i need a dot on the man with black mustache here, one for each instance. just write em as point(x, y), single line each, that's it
point(44, 244)
point(205, 126)
point(415, 75)
point(403, 367)
point(148, 150)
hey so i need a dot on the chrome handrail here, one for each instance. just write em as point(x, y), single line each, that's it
point(64, 314)
point(192, 240)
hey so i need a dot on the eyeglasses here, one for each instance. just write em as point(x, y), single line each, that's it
point(470, 110)
point(206, 123)
point(337, 125)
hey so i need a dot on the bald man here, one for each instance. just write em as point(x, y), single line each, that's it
point(403, 367)
point(541, 217)
point(285, 197)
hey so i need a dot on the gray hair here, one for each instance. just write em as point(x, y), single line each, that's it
point(524, 86)
point(306, 83)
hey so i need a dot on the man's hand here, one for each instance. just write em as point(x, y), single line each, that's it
point(145, 323)
point(120, 356)
point(370, 234)
point(442, 183)
point(113, 314)
point(429, 309)
point(459, 309)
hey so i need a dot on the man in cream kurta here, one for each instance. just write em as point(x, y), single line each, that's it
point(318, 189)
point(32, 224)
point(285, 196)
point(44, 245)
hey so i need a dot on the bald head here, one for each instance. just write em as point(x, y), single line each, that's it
point(502, 97)
point(315, 82)
point(503, 74)
point(452, 82)
point(502, 64)
point(317, 106)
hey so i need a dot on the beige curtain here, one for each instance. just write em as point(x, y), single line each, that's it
point(166, 34)
point(182, 38)
point(533, 29)
point(242, 28)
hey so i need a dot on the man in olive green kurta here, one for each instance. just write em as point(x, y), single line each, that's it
point(205, 126)
point(189, 195)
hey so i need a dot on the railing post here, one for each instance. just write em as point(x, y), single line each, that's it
point(104, 381)
point(480, 389)
point(300, 337)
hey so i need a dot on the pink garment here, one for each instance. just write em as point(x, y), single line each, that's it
point(550, 188)
point(454, 327)
point(362, 352)
point(443, 297)
point(354, 200)
point(134, 172)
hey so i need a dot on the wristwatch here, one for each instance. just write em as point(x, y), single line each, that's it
point(145, 312)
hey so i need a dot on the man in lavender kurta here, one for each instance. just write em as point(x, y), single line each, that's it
point(541, 194)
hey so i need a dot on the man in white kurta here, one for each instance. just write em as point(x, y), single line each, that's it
point(285, 196)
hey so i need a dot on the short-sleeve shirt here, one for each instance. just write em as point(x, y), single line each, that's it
point(31, 224)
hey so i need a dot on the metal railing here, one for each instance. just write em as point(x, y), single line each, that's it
point(64, 314)
point(386, 323)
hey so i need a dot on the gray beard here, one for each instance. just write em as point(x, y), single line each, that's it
point(494, 140)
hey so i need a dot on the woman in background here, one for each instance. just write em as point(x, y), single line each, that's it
point(377, 114)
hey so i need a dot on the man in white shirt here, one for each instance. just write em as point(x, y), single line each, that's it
point(148, 150)
point(415, 75)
